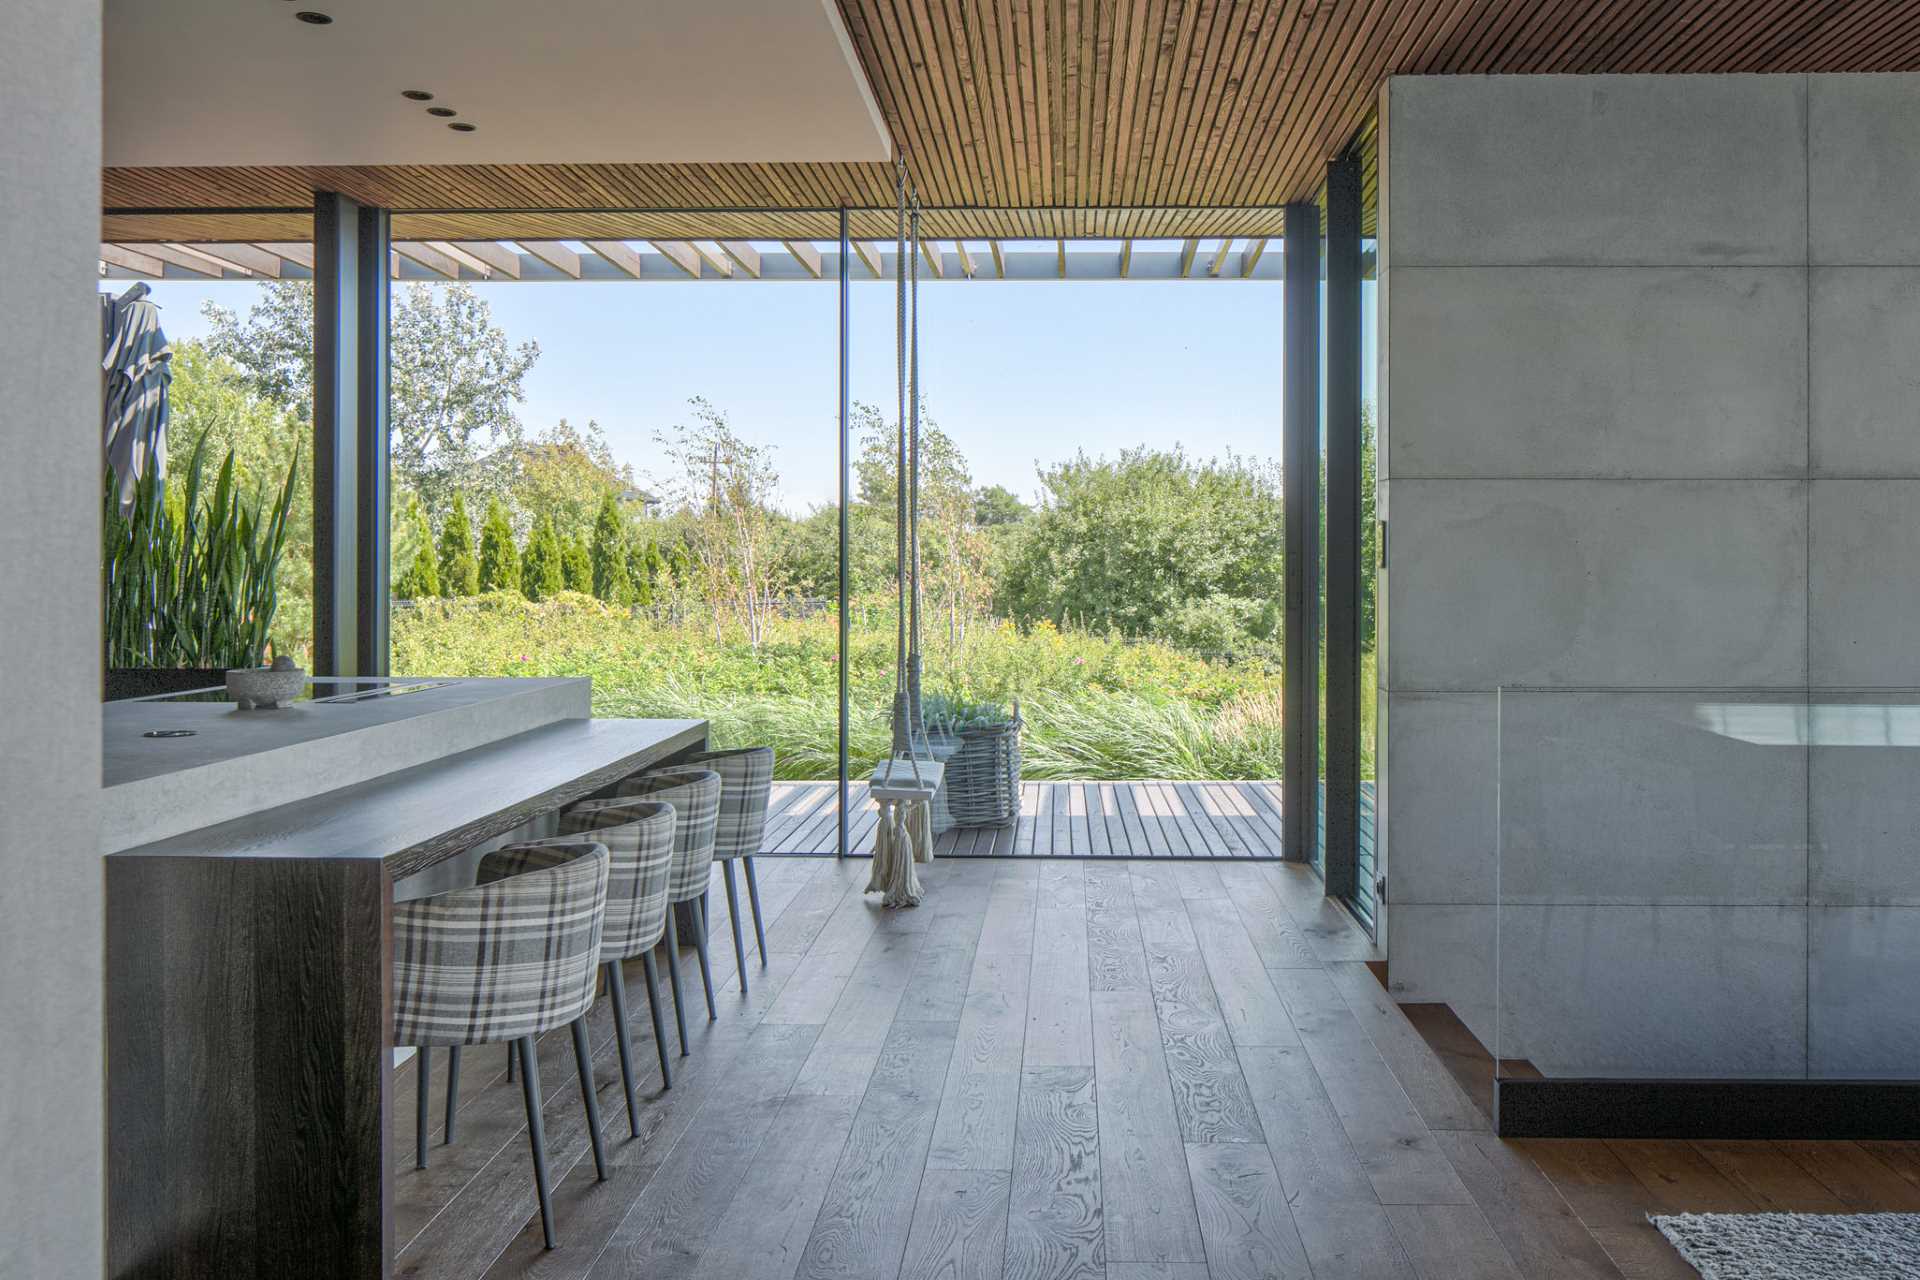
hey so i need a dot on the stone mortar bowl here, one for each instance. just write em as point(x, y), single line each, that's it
point(265, 688)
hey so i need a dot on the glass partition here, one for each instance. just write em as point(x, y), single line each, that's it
point(1708, 884)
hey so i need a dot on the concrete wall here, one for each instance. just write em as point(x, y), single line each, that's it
point(50, 909)
point(1653, 425)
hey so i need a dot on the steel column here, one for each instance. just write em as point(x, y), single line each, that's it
point(351, 497)
point(1343, 502)
point(846, 498)
point(1300, 454)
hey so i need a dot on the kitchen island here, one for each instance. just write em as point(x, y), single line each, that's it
point(249, 960)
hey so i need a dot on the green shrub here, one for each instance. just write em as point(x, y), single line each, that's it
point(499, 560)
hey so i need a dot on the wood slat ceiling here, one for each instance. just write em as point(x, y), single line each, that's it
point(1101, 118)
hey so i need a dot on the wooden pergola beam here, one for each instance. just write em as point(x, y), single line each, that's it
point(713, 255)
point(871, 256)
point(118, 255)
point(743, 253)
point(967, 265)
point(1187, 249)
point(1126, 258)
point(296, 251)
point(680, 254)
point(806, 255)
point(465, 260)
point(555, 255)
point(243, 257)
point(496, 256)
point(429, 257)
point(1219, 258)
point(192, 259)
point(622, 255)
point(999, 259)
point(1250, 257)
point(936, 261)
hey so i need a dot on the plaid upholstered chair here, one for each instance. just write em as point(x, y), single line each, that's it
point(695, 797)
point(746, 784)
point(639, 836)
point(507, 960)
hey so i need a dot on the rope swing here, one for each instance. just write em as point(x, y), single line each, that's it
point(905, 784)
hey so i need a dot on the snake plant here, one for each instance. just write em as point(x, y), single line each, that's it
point(191, 579)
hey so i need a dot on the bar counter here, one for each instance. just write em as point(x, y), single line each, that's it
point(249, 986)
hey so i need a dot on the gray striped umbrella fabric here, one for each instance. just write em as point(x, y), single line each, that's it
point(135, 369)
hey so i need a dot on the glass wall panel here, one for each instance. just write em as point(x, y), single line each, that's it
point(635, 481)
point(1708, 884)
point(241, 387)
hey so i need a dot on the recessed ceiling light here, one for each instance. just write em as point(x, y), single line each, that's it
point(315, 19)
point(416, 95)
point(442, 111)
point(461, 126)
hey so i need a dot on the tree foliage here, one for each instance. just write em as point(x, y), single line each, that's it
point(726, 516)
point(608, 554)
point(499, 559)
point(419, 561)
point(456, 381)
point(543, 572)
point(1133, 544)
point(459, 570)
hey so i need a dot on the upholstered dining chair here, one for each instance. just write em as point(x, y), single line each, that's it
point(695, 797)
point(746, 784)
point(509, 959)
point(639, 836)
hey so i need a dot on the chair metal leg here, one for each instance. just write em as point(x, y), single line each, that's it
point(536, 1131)
point(583, 1056)
point(453, 1091)
point(617, 989)
point(512, 1053)
point(423, 1068)
point(659, 1025)
point(706, 968)
point(673, 977)
point(753, 896)
point(733, 914)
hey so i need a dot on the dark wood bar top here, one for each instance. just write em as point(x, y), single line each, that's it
point(416, 817)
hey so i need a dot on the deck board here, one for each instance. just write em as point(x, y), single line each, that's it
point(1145, 819)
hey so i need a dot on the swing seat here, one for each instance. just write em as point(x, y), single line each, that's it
point(895, 779)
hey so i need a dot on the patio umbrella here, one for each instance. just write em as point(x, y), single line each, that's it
point(135, 368)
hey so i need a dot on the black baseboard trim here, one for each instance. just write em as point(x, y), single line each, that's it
point(1814, 1109)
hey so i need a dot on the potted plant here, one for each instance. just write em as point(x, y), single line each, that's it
point(982, 785)
point(190, 579)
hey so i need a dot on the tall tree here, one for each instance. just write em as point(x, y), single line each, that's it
point(499, 559)
point(542, 566)
point(576, 565)
point(459, 571)
point(420, 578)
point(609, 554)
point(727, 493)
point(455, 384)
point(565, 472)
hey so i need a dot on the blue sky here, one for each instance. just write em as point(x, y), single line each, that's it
point(1016, 372)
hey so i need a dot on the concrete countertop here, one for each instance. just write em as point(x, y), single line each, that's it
point(242, 762)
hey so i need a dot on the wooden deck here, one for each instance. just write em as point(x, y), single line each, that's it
point(1060, 820)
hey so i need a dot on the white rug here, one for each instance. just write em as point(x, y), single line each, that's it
point(1797, 1246)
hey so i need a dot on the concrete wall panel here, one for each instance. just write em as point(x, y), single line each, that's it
point(1599, 170)
point(1619, 372)
point(1576, 582)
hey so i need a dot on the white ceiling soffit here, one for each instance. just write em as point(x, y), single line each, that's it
point(247, 82)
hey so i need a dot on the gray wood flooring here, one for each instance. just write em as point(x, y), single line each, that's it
point(1052, 1070)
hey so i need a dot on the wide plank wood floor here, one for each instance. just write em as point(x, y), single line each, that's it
point(1060, 1070)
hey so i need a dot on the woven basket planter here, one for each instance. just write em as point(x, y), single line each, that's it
point(983, 777)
